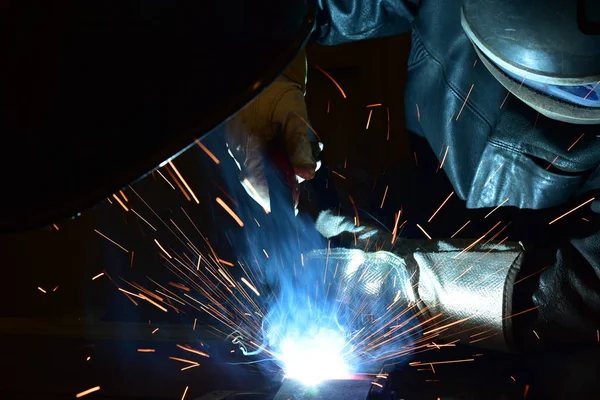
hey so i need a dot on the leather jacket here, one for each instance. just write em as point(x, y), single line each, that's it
point(500, 151)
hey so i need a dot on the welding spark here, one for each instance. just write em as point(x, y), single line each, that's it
point(184, 182)
point(200, 353)
point(465, 103)
point(184, 393)
point(162, 248)
point(440, 207)
point(230, 211)
point(183, 360)
point(110, 240)
point(574, 143)
point(42, 290)
point(251, 286)
point(569, 212)
point(86, 392)
point(332, 80)
point(208, 152)
point(120, 202)
point(423, 230)
point(98, 276)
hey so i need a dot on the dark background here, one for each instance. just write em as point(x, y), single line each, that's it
point(46, 338)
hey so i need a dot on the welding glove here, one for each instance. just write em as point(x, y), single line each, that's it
point(277, 115)
point(463, 291)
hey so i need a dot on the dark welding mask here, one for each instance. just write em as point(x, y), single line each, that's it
point(545, 52)
point(95, 94)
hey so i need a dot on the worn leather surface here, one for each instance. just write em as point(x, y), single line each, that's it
point(500, 151)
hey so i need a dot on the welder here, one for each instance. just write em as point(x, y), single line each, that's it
point(546, 57)
point(98, 95)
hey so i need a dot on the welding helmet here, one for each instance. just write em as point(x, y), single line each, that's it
point(97, 93)
point(545, 52)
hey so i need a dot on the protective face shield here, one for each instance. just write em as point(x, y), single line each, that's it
point(96, 94)
point(545, 52)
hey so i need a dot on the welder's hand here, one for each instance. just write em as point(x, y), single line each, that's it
point(279, 115)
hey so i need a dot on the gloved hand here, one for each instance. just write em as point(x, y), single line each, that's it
point(278, 115)
point(465, 288)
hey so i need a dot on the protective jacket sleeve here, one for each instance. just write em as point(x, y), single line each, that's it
point(343, 21)
point(561, 281)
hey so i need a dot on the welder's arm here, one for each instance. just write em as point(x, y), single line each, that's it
point(566, 292)
point(277, 114)
point(483, 294)
point(342, 21)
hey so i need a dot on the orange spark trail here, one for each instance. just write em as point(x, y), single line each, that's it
point(250, 286)
point(569, 212)
point(230, 211)
point(110, 240)
point(184, 393)
point(418, 113)
point(162, 248)
point(42, 290)
point(442, 362)
point(465, 103)
point(506, 98)
point(201, 353)
point(86, 392)
point(444, 159)
point(166, 180)
point(309, 126)
point(124, 197)
point(387, 110)
point(369, 119)
point(184, 182)
point(332, 80)
point(154, 331)
point(146, 350)
point(149, 300)
point(395, 231)
point(460, 229)
point(120, 202)
point(574, 143)
point(423, 230)
point(440, 207)
point(374, 105)
point(98, 276)
point(384, 195)
point(592, 91)
point(478, 240)
point(530, 275)
point(184, 360)
point(55, 226)
point(225, 262)
point(143, 219)
point(208, 152)
point(338, 174)
point(550, 165)
point(191, 366)
point(499, 205)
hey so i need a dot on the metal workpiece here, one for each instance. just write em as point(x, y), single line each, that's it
point(350, 389)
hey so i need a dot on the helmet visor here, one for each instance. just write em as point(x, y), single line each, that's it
point(581, 95)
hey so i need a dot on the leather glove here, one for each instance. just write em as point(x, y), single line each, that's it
point(464, 289)
point(277, 115)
